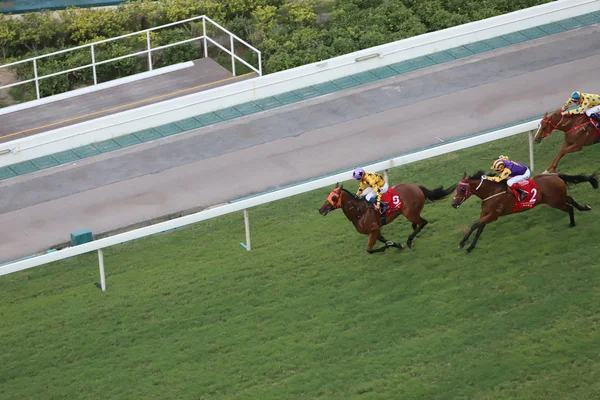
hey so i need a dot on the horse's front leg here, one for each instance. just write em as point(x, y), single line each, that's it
point(566, 148)
point(471, 230)
point(485, 218)
point(554, 164)
point(373, 236)
point(389, 242)
point(475, 239)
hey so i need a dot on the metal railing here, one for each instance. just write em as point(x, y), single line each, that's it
point(231, 51)
point(245, 204)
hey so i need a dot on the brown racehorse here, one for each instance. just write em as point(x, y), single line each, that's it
point(497, 200)
point(368, 221)
point(579, 132)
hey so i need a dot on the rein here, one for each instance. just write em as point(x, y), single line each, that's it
point(552, 126)
point(492, 196)
point(469, 192)
point(337, 203)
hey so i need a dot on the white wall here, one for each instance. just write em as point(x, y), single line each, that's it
point(194, 104)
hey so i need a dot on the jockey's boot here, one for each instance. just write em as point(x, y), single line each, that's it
point(522, 194)
point(383, 207)
point(596, 118)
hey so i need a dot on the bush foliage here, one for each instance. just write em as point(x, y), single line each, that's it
point(288, 33)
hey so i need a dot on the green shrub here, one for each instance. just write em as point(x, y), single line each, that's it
point(287, 32)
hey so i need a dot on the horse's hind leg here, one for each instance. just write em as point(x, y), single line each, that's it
point(569, 209)
point(571, 201)
point(417, 227)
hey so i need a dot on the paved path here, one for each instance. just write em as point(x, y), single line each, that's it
point(205, 74)
point(297, 142)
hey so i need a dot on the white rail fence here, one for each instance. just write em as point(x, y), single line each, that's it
point(148, 51)
point(99, 245)
point(150, 116)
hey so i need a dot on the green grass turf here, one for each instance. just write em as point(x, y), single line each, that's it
point(308, 314)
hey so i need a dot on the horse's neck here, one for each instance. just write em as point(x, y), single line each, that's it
point(486, 189)
point(566, 122)
point(353, 207)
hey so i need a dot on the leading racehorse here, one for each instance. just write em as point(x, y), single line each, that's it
point(368, 221)
point(497, 200)
point(579, 132)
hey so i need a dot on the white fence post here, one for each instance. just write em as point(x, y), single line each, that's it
point(94, 64)
point(37, 82)
point(232, 57)
point(204, 36)
point(102, 276)
point(247, 226)
point(530, 133)
point(149, 52)
point(259, 64)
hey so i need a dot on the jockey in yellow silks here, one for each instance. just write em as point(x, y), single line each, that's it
point(586, 102)
point(372, 186)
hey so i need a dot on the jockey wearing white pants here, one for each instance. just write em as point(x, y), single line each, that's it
point(369, 193)
point(518, 178)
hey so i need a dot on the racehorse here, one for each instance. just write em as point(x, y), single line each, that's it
point(409, 202)
point(497, 200)
point(579, 132)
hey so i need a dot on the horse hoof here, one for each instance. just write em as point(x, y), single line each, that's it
point(409, 244)
point(587, 208)
point(461, 245)
point(399, 246)
point(467, 251)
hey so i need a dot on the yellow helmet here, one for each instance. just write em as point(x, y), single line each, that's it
point(498, 165)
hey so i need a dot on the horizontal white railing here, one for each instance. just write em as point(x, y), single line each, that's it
point(150, 116)
point(149, 49)
point(263, 199)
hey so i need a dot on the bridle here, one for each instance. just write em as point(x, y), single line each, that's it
point(469, 193)
point(552, 126)
point(336, 204)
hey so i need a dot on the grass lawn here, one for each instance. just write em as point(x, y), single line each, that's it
point(308, 314)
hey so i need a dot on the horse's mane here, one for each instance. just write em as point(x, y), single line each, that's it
point(480, 173)
point(350, 193)
point(477, 175)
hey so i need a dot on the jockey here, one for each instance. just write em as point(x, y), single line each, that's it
point(588, 103)
point(507, 168)
point(372, 186)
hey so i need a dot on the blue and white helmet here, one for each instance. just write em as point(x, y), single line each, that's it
point(358, 174)
point(576, 96)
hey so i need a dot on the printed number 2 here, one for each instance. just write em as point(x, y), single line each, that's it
point(533, 198)
point(396, 200)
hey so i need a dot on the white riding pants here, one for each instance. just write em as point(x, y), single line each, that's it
point(369, 192)
point(590, 111)
point(518, 178)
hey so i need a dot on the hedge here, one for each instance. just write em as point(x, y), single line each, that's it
point(288, 33)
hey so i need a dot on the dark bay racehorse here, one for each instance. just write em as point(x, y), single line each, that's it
point(497, 200)
point(368, 221)
point(579, 132)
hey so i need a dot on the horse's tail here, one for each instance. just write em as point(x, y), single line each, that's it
point(575, 179)
point(437, 193)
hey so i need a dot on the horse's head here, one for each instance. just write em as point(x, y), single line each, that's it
point(547, 125)
point(474, 185)
point(334, 200)
point(463, 192)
